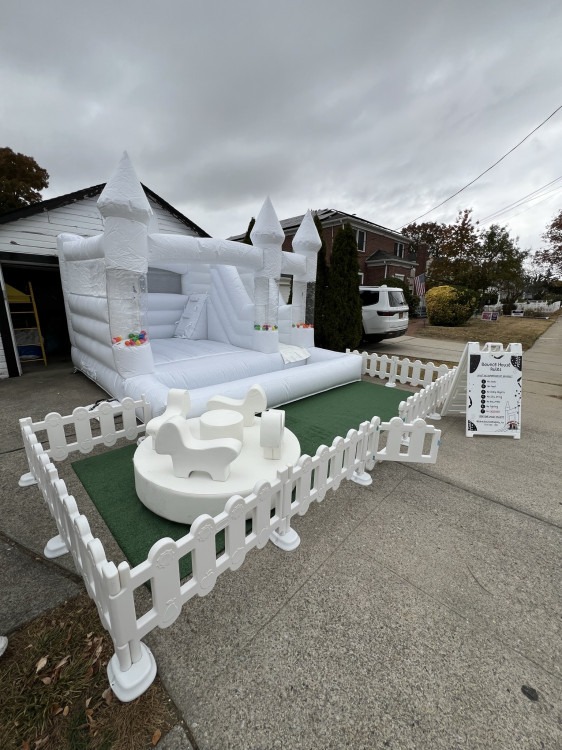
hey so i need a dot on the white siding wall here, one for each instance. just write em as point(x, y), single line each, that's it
point(37, 234)
point(168, 224)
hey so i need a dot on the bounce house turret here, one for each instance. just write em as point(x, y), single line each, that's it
point(306, 243)
point(268, 236)
point(127, 214)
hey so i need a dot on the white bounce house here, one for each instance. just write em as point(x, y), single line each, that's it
point(148, 312)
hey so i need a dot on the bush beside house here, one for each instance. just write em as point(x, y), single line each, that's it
point(449, 306)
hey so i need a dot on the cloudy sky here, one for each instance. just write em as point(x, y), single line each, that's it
point(378, 108)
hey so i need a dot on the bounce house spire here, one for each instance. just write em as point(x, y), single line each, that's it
point(123, 195)
point(307, 238)
point(267, 231)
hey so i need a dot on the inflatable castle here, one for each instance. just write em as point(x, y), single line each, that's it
point(214, 322)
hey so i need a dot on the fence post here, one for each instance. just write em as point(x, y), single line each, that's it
point(392, 375)
point(56, 490)
point(284, 536)
point(26, 426)
point(360, 476)
point(128, 678)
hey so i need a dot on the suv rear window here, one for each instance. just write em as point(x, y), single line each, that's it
point(368, 298)
point(396, 299)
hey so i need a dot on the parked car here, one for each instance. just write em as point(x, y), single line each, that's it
point(385, 312)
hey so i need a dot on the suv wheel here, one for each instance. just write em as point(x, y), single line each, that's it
point(372, 338)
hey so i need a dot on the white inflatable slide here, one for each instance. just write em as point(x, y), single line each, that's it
point(148, 312)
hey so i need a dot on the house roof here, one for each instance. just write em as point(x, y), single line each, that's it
point(327, 215)
point(91, 192)
point(380, 258)
point(333, 215)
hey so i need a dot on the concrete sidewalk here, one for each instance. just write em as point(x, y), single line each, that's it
point(411, 616)
point(419, 348)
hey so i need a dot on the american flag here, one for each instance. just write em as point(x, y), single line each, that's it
point(419, 285)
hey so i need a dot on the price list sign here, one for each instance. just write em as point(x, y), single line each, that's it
point(493, 394)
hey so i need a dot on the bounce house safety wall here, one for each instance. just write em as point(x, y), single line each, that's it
point(149, 311)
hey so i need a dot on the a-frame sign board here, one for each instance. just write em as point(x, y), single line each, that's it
point(487, 388)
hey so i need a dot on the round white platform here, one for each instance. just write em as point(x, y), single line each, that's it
point(183, 500)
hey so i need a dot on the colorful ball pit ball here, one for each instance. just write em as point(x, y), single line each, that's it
point(133, 339)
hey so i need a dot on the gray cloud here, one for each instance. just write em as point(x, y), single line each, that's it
point(380, 109)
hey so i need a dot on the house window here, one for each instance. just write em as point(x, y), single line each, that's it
point(361, 237)
point(399, 249)
point(361, 277)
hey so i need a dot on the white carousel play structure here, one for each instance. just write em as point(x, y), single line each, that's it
point(187, 467)
point(149, 311)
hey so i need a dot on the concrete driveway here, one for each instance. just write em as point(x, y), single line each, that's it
point(421, 612)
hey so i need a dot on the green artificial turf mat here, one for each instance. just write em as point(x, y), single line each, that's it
point(109, 478)
point(317, 420)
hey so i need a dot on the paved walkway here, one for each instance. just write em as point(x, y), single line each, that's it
point(411, 616)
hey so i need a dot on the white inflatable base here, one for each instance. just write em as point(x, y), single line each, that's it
point(323, 370)
point(183, 500)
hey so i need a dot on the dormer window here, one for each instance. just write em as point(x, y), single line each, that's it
point(399, 249)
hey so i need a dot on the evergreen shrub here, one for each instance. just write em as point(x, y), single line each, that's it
point(343, 318)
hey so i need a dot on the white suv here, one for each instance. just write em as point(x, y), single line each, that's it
point(385, 312)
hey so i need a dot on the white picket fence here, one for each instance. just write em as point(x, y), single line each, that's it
point(404, 371)
point(270, 508)
point(435, 379)
point(427, 403)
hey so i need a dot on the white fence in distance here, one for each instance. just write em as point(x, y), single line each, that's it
point(404, 371)
point(270, 508)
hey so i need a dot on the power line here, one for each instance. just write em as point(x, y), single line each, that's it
point(521, 201)
point(511, 150)
point(539, 199)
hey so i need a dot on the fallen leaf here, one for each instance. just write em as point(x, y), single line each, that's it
point(56, 709)
point(40, 664)
point(156, 737)
point(41, 742)
point(25, 745)
point(107, 695)
point(66, 710)
point(46, 680)
point(529, 692)
point(62, 662)
point(88, 701)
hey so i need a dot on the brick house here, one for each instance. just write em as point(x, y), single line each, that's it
point(381, 252)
